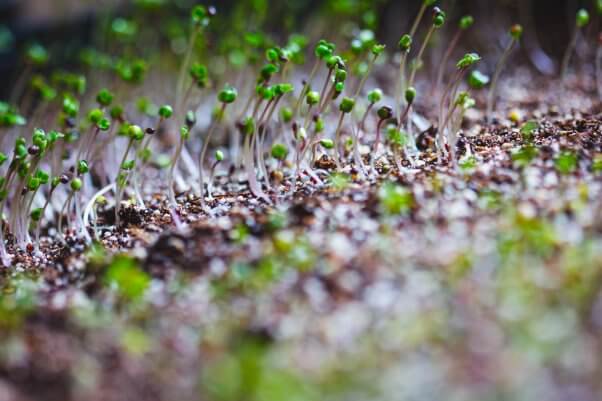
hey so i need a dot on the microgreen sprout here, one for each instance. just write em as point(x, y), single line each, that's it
point(398, 139)
point(384, 114)
point(437, 23)
point(345, 107)
point(219, 157)
point(374, 96)
point(376, 51)
point(199, 17)
point(581, 20)
point(450, 101)
point(135, 135)
point(184, 136)
point(465, 23)
point(515, 33)
point(226, 96)
point(322, 51)
point(425, 4)
point(405, 45)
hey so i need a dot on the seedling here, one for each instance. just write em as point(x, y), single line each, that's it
point(312, 99)
point(425, 4)
point(345, 107)
point(398, 141)
point(465, 23)
point(384, 114)
point(438, 21)
point(581, 20)
point(136, 135)
point(184, 136)
point(226, 96)
point(322, 51)
point(376, 50)
point(516, 31)
point(199, 18)
point(405, 45)
point(374, 96)
point(219, 157)
point(451, 99)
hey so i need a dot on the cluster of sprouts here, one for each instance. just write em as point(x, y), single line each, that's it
point(73, 157)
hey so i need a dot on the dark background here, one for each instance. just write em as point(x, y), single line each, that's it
point(68, 24)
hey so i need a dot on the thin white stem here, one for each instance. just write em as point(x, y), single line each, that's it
point(566, 60)
point(496, 76)
point(418, 59)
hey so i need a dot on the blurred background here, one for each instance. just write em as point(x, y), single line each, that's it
point(67, 25)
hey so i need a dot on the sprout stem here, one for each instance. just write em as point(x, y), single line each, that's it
point(418, 59)
point(184, 67)
point(566, 59)
point(362, 123)
point(62, 212)
point(170, 176)
point(120, 186)
point(306, 87)
point(418, 18)
point(446, 57)
point(401, 80)
point(337, 140)
point(91, 203)
point(323, 92)
point(204, 153)
point(365, 77)
point(496, 76)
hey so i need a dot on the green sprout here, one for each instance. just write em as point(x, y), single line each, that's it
point(184, 136)
point(405, 45)
point(219, 157)
point(453, 102)
point(322, 51)
point(374, 96)
point(345, 107)
point(199, 17)
point(581, 20)
point(135, 135)
point(515, 34)
point(384, 114)
point(464, 24)
point(226, 96)
point(437, 22)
